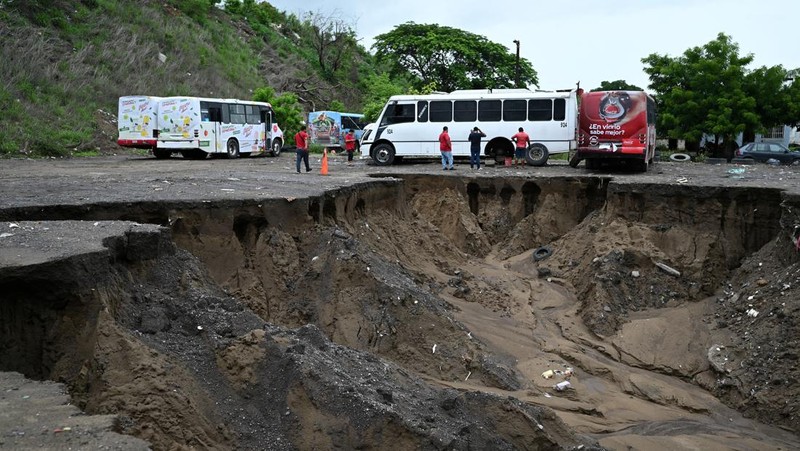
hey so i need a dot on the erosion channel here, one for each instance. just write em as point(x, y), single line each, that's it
point(418, 312)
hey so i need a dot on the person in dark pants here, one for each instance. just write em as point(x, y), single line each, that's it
point(301, 141)
point(350, 145)
point(523, 141)
point(475, 147)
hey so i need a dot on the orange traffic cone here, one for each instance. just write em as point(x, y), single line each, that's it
point(324, 169)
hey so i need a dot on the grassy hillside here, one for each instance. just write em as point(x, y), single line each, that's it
point(66, 63)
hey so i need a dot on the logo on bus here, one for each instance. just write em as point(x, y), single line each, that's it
point(248, 130)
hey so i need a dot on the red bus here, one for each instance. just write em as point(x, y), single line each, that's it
point(616, 125)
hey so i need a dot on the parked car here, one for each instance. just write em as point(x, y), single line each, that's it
point(766, 151)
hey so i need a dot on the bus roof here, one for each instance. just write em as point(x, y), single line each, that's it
point(488, 94)
point(208, 99)
point(338, 112)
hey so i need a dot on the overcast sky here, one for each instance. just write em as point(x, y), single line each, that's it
point(589, 41)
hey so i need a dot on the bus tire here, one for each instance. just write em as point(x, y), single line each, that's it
point(232, 148)
point(536, 155)
point(161, 154)
point(383, 155)
point(275, 149)
point(574, 161)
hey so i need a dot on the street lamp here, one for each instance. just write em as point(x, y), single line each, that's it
point(516, 41)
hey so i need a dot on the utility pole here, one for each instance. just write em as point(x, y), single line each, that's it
point(516, 41)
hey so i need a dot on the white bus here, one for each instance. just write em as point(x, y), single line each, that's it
point(409, 125)
point(198, 127)
point(137, 122)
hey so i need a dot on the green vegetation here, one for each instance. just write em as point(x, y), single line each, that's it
point(450, 58)
point(67, 62)
point(709, 90)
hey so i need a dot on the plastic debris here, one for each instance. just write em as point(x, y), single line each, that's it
point(468, 375)
point(434, 349)
point(548, 374)
point(752, 313)
point(668, 269)
point(561, 386)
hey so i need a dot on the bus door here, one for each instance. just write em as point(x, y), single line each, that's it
point(211, 120)
point(265, 138)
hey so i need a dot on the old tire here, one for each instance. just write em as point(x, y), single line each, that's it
point(542, 253)
point(383, 155)
point(536, 155)
point(680, 157)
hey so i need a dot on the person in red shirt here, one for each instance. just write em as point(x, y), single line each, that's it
point(350, 145)
point(523, 141)
point(301, 142)
point(446, 147)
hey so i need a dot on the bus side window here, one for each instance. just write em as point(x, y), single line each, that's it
point(422, 107)
point(215, 114)
point(489, 110)
point(399, 113)
point(540, 110)
point(238, 114)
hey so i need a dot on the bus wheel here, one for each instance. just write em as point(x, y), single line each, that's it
point(277, 145)
point(536, 155)
point(233, 148)
point(383, 155)
point(574, 160)
point(161, 154)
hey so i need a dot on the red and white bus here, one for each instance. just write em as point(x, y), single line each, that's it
point(616, 125)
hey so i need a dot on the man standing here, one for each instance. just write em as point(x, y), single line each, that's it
point(475, 147)
point(301, 142)
point(446, 147)
point(523, 141)
point(350, 145)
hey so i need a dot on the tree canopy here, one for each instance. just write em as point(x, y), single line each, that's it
point(703, 91)
point(450, 58)
point(709, 90)
point(617, 85)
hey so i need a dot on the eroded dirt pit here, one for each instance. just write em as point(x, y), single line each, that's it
point(415, 311)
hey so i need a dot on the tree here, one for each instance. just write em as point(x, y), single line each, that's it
point(703, 92)
point(378, 90)
point(333, 40)
point(617, 85)
point(450, 58)
point(288, 111)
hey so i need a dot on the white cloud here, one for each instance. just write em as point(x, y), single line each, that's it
point(590, 40)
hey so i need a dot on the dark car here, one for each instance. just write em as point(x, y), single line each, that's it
point(766, 151)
